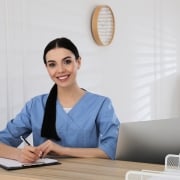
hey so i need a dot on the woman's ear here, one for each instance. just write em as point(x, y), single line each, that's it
point(79, 62)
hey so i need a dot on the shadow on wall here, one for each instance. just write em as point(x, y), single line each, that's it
point(156, 80)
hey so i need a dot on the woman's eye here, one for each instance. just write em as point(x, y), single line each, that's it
point(51, 64)
point(67, 61)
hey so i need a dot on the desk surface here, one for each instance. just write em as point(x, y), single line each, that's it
point(79, 168)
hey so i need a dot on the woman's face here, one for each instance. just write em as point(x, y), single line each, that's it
point(62, 66)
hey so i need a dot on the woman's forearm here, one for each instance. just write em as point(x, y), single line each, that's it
point(9, 152)
point(49, 147)
point(26, 154)
point(83, 152)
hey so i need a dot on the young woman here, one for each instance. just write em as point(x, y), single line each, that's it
point(69, 121)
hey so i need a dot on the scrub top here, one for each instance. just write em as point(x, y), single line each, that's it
point(90, 123)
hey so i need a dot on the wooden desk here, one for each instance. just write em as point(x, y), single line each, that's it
point(80, 169)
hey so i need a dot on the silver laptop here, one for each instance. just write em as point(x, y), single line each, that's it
point(148, 141)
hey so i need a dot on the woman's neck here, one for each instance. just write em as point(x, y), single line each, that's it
point(68, 97)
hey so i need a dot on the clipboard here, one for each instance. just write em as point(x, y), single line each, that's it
point(10, 164)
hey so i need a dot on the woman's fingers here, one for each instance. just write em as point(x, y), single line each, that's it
point(47, 147)
point(30, 154)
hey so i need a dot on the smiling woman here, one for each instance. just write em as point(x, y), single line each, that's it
point(69, 121)
point(62, 66)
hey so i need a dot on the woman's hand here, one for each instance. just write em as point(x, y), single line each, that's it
point(50, 147)
point(29, 154)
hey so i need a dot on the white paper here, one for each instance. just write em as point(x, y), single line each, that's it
point(13, 163)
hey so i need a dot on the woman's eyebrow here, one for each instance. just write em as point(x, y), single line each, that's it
point(67, 57)
point(49, 61)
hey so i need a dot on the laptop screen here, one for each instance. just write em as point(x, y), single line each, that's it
point(148, 141)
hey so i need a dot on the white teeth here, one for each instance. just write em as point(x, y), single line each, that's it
point(62, 77)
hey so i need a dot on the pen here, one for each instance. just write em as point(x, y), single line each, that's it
point(24, 140)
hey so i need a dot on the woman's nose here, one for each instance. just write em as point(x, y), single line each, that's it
point(60, 68)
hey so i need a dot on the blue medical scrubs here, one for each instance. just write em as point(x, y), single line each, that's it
point(90, 123)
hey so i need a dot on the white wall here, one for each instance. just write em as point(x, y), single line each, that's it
point(139, 71)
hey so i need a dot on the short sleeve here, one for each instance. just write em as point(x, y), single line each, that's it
point(108, 124)
point(16, 127)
